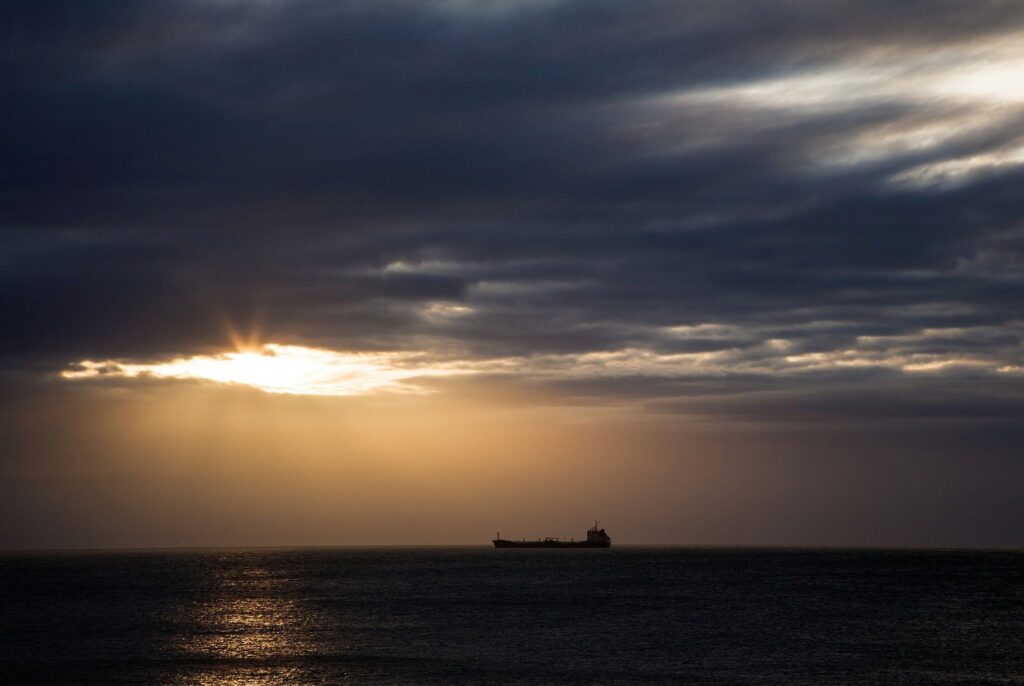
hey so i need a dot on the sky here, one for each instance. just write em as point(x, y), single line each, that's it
point(299, 272)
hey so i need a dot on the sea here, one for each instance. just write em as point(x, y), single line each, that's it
point(475, 615)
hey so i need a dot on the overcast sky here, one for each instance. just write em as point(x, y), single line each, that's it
point(776, 245)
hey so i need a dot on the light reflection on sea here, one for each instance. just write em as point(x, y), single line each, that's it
point(249, 629)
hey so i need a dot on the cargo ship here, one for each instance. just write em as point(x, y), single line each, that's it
point(596, 538)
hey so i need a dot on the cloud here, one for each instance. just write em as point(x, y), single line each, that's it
point(796, 195)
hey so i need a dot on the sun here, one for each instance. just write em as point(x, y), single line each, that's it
point(291, 369)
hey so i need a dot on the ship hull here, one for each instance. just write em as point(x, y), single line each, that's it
point(501, 543)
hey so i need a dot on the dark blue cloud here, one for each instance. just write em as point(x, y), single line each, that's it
point(583, 175)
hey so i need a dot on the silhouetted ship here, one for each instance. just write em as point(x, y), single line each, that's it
point(596, 538)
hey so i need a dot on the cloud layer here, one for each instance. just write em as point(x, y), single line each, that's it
point(657, 202)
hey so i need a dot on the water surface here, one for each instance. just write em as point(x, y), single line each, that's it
point(472, 615)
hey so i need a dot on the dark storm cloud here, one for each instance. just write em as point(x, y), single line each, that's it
point(581, 177)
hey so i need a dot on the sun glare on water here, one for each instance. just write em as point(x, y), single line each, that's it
point(276, 368)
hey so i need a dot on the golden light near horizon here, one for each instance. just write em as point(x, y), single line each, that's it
point(300, 370)
point(287, 369)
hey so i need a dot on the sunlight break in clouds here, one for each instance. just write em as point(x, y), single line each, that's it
point(298, 370)
point(290, 369)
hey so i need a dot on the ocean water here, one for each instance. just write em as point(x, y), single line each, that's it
point(477, 615)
